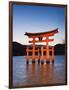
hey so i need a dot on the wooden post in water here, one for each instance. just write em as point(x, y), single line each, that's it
point(52, 54)
point(47, 51)
point(42, 56)
point(33, 56)
point(38, 56)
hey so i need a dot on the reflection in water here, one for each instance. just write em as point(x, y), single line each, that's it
point(38, 74)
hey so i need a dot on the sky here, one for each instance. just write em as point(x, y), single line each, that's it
point(27, 18)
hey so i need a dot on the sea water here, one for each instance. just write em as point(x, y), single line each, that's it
point(38, 74)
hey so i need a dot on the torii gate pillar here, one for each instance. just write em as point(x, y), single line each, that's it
point(47, 52)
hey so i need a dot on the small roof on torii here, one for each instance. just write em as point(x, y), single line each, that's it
point(49, 33)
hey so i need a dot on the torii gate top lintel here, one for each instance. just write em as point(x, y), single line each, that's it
point(49, 33)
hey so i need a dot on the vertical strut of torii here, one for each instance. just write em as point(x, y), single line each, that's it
point(47, 49)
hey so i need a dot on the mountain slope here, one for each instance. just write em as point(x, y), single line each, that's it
point(19, 49)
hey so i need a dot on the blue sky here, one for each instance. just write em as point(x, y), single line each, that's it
point(37, 19)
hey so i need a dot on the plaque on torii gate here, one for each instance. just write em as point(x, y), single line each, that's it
point(40, 36)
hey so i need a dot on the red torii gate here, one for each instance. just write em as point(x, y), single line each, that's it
point(40, 36)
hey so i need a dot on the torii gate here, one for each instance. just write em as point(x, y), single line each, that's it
point(40, 36)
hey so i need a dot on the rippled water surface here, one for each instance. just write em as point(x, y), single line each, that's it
point(38, 74)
